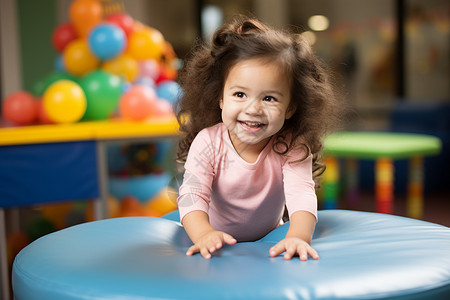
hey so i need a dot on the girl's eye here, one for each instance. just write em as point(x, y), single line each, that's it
point(239, 94)
point(269, 99)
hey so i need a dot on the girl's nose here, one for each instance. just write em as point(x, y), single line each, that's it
point(254, 107)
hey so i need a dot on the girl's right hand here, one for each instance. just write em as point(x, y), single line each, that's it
point(210, 242)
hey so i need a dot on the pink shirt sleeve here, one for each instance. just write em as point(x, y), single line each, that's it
point(195, 192)
point(299, 184)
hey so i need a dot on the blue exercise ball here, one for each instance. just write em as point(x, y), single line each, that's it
point(107, 41)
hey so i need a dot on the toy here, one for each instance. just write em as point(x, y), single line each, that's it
point(63, 35)
point(103, 91)
point(20, 108)
point(85, 14)
point(107, 41)
point(78, 59)
point(64, 102)
point(123, 66)
point(138, 103)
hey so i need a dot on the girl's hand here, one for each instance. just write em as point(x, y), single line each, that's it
point(210, 242)
point(293, 246)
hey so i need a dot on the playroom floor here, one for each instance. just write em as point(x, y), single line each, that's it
point(436, 206)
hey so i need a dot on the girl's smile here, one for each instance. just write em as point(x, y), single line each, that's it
point(255, 104)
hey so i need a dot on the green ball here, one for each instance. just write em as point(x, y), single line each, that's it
point(41, 86)
point(103, 91)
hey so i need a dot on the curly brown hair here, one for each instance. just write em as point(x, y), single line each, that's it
point(313, 97)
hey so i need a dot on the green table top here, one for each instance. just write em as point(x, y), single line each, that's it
point(373, 145)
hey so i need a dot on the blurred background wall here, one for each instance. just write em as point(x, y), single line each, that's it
point(390, 57)
point(384, 52)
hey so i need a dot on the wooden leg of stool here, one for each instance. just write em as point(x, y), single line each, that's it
point(384, 185)
point(3, 258)
point(331, 182)
point(352, 182)
point(415, 188)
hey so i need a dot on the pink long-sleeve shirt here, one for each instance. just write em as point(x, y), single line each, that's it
point(244, 199)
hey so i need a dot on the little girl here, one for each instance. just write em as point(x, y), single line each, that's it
point(255, 106)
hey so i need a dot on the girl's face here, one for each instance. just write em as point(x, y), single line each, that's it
point(255, 102)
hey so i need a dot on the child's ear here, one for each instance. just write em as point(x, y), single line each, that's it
point(290, 112)
point(221, 103)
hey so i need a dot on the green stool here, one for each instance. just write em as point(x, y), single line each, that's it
point(383, 147)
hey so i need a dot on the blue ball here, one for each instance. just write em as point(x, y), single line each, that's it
point(107, 41)
point(58, 64)
point(169, 90)
point(147, 81)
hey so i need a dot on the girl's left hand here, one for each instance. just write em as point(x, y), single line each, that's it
point(293, 246)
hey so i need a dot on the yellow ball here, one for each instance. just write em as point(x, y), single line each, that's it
point(123, 66)
point(64, 102)
point(146, 43)
point(78, 59)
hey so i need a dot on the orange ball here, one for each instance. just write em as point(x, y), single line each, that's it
point(146, 43)
point(20, 108)
point(78, 59)
point(84, 15)
point(138, 103)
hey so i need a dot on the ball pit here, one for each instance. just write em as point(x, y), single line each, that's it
point(97, 41)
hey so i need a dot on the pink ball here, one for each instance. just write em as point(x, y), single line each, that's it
point(164, 108)
point(138, 103)
point(149, 68)
point(20, 108)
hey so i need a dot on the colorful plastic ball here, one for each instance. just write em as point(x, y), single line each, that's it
point(124, 66)
point(147, 81)
point(123, 20)
point(169, 90)
point(166, 74)
point(103, 91)
point(138, 103)
point(58, 64)
point(63, 35)
point(84, 15)
point(107, 41)
point(64, 102)
point(126, 86)
point(163, 108)
point(20, 108)
point(146, 43)
point(78, 59)
point(149, 68)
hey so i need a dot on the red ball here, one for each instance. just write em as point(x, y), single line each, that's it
point(138, 103)
point(123, 20)
point(63, 35)
point(42, 114)
point(20, 108)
